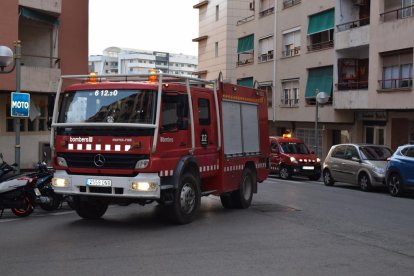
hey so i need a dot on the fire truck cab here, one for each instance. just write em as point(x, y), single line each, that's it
point(290, 156)
point(125, 139)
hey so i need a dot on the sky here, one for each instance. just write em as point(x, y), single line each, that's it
point(155, 25)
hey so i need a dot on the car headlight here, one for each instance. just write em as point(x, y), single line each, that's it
point(144, 186)
point(293, 160)
point(378, 170)
point(62, 162)
point(318, 160)
point(142, 164)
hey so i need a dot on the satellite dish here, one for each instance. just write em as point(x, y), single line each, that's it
point(322, 98)
point(6, 56)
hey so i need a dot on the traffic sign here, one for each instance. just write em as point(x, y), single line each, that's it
point(20, 104)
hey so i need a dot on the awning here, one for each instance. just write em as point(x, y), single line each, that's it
point(321, 22)
point(38, 16)
point(245, 44)
point(245, 82)
point(321, 79)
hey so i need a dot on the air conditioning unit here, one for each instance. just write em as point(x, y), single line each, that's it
point(251, 6)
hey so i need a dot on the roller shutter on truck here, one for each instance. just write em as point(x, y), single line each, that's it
point(240, 128)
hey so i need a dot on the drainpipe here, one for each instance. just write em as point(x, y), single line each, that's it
point(274, 64)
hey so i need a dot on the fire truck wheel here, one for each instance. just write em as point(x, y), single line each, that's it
point(92, 208)
point(284, 172)
point(242, 198)
point(187, 198)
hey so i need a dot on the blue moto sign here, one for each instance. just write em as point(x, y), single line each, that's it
point(20, 104)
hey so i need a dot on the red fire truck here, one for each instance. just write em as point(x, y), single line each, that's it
point(126, 139)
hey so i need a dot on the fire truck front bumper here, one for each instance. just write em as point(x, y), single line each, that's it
point(144, 185)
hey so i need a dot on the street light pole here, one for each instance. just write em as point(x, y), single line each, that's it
point(316, 123)
point(17, 58)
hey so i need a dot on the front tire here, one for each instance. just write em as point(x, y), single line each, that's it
point(284, 172)
point(394, 185)
point(327, 178)
point(54, 204)
point(187, 198)
point(91, 208)
point(364, 182)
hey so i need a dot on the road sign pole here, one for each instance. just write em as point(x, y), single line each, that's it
point(18, 52)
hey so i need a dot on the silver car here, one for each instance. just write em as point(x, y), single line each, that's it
point(359, 164)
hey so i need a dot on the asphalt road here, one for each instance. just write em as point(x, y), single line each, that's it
point(293, 228)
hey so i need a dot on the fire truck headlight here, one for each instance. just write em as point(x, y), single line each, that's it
point(318, 160)
point(293, 160)
point(144, 186)
point(142, 164)
point(62, 162)
point(60, 182)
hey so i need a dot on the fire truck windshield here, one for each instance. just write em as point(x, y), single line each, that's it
point(108, 106)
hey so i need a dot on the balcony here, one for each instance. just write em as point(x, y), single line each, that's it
point(266, 57)
point(353, 24)
point(351, 37)
point(401, 84)
point(397, 14)
point(292, 52)
point(40, 73)
point(54, 6)
point(245, 20)
point(290, 3)
point(245, 58)
point(267, 12)
point(289, 102)
point(320, 46)
point(352, 99)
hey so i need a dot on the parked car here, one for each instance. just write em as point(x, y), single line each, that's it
point(400, 171)
point(359, 164)
point(290, 156)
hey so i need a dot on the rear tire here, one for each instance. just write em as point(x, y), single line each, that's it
point(242, 198)
point(187, 198)
point(327, 178)
point(92, 208)
point(26, 210)
point(394, 185)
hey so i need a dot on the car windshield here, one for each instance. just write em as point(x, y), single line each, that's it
point(375, 153)
point(108, 106)
point(296, 148)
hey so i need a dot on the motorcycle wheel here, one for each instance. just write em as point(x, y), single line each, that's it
point(54, 203)
point(26, 210)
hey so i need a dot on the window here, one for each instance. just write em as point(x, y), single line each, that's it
point(266, 7)
point(321, 30)
point(291, 43)
point(290, 93)
point(217, 12)
point(352, 74)
point(245, 82)
point(374, 135)
point(407, 8)
point(397, 70)
point(319, 79)
point(290, 3)
point(267, 86)
point(174, 112)
point(216, 49)
point(204, 111)
point(266, 49)
point(339, 152)
point(37, 120)
point(245, 50)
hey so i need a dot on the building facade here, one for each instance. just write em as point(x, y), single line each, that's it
point(356, 51)
point(117, 60)
point(54, 41)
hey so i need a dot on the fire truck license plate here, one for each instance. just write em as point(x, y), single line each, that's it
point(98, 182)
point(308, 167)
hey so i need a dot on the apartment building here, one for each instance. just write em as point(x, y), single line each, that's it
point(54, 41)
point(358, 52)
point(134, 61)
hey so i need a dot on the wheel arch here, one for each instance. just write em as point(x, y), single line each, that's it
point(187, 164)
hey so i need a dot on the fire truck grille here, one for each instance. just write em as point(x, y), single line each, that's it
point(102, 161)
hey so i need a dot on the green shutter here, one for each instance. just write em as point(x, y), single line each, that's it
point(321, 22)
point(321, 79)
point(245, 82)
point(245, 44)
point(38, 16)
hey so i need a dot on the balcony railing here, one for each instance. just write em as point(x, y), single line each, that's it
point(41, 61)
point(245, 58)
point(245, 20)
point(266, 57)
point(290, 3)
point(321, 46)
point(391, 84)
point(292, 52)
point(397, 14)
point(289, 102)
point(267, 12)
point(353, 24)
point(352, 85)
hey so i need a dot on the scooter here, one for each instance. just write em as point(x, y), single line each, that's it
point(6, 171)
point(20, 193)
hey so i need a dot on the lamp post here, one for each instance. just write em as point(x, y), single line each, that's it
point(6, 58)
point(321, 99)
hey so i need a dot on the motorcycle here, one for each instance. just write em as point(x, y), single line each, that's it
point(20, 192)
point(6, 171)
